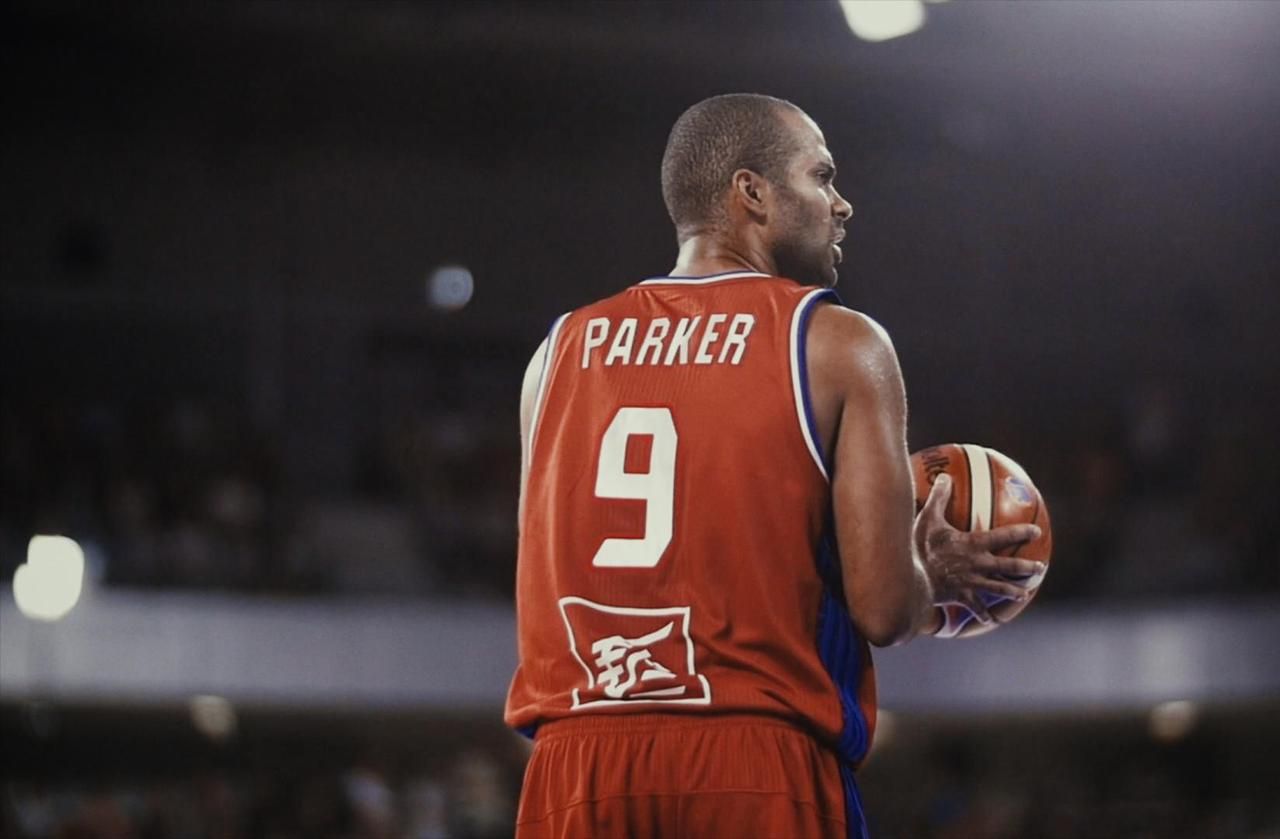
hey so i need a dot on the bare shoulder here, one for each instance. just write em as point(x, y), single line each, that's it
point(850, 347)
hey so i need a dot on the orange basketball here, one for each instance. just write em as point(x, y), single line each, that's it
point(988, 489)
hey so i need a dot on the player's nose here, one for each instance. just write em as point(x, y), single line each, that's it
point(841, 208)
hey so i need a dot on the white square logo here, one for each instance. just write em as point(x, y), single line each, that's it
point(632, 655)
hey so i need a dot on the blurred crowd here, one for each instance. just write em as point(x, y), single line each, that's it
point(967, 783)
point(168, 494)
point(1165, 492)
point(1148, 497)
point(958, 790)
point(185, 494)
point(471, 798)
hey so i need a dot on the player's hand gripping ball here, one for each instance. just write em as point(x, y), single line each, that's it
point(988, 489)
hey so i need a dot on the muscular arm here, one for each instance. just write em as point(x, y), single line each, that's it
point(861, 409)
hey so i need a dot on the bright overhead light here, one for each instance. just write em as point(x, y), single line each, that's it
point(880, 20)
point(47, 586)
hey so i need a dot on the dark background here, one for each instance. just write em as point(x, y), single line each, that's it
point(221, 370)
point(1065, 214)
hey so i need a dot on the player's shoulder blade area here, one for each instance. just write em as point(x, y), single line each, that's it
point(668, 322)
point(675, 510)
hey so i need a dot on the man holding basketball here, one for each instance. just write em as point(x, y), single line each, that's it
point(717, 516)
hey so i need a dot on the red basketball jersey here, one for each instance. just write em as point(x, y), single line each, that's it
point(676, 548)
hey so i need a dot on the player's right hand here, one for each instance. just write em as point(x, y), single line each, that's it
point(961, 564)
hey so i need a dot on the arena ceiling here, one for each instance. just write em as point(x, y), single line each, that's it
point(1106, 173)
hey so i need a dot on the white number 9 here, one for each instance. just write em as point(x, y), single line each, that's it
point(655, 487)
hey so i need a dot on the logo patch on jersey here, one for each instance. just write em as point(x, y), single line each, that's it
point(632, 655)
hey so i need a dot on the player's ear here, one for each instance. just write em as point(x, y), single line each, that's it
point(750, 192)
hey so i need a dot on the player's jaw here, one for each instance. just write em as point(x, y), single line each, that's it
point(807, 248)
point(811, 260)
point(823, 251)
point(827, 259)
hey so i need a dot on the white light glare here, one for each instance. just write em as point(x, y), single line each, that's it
point(450, 287)
point(47, 586)
point(880, 20)
point(1171, 721)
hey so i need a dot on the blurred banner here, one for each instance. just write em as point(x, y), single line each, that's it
point(366, 654)
point(349, 653)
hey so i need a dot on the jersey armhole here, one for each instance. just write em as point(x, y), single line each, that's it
point(544, 377)
point(800, 373)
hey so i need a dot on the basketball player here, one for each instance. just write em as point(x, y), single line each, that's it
point(717, 516)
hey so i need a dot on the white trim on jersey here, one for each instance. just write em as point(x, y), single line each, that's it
point(552, 338)
point(797, 378)
point(714, 278)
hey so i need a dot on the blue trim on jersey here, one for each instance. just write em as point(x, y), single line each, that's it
point(527, 730)
point(803, 363)
point(840, 649)
point(855, 817)
point(839, 646)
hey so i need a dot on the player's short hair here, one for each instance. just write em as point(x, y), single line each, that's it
point(712, 140)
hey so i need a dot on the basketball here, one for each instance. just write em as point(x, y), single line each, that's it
point(988, 490)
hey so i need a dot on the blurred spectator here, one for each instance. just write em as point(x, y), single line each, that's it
point(426, 809)
point(1159, 436)
point(372, 802)
point(483, 804)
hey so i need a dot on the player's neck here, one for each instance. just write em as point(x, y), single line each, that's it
point(705, 254)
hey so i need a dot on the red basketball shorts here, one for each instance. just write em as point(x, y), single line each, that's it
point(673, 775)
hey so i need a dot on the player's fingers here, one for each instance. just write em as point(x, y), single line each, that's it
point(1004, 537)
point(1004, 588)
point(936, 504)
point(1016, 568)
point(990, 565)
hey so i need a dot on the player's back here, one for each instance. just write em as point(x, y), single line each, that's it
point(675, 553)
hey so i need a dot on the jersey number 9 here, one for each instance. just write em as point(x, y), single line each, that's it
point(655, 487)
